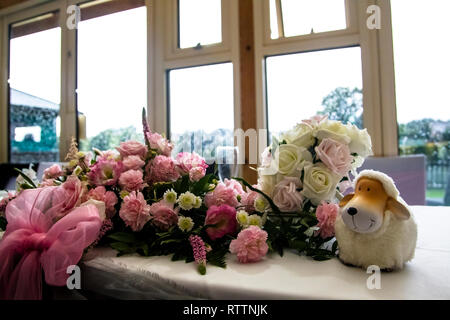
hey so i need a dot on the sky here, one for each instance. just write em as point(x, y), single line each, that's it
point(112, 68)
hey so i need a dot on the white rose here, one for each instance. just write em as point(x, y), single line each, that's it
point(267, 182)
point(333, 129)
point(301, 135)
point(291, 159)
point(360, 141)
point(319, 183)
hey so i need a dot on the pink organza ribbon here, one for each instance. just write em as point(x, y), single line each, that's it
point(34, 242)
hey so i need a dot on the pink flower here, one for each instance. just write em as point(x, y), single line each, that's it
point(159, 143)
point(132, 180)
point(222, 195)
point(53, 172)
point(224, 219)
point(69, 194)
point(161, 168)
point(345, 186)
point(108, 197)
point(248, 199)
point(132, 148)
point(192, 164)
point(199, 252)
point(5, 200)
point(135, 211)
point(105, 172)
point(250, 245)
point(315, 120)
point(133, 163)
point(286, 196)
point(163, 215)
point(326, 214)
point(106, 226)
point(235, 185)
point(335, 155)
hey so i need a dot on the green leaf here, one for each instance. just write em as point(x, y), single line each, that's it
point(123, 237)
point(27, 178)
point(3, 223)
point(121, 247)
point(171, 241)
point(216, 257)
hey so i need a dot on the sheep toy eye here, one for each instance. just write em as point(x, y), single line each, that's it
point(368, 189)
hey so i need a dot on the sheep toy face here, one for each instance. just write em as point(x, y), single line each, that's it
point(363, 211)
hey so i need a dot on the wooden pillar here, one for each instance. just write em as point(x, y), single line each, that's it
point(247, 78)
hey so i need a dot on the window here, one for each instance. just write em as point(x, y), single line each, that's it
point(421, 74)
point(201, 108)
point(34, 89)
point(112, 75)
point(199, 22)
point(303, 84)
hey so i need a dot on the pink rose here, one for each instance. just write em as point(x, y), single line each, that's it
point(108, 197)
point(163, 215)
point(53, 172)
point(133, 163)
point(286, 196)
point(135, 211)
point(222, 195)
point(69, 194)
point(224, 217)
point(250, 245)
point(192, 164)
point(315, 120)
point(235, 185)
point(132, 180)
point(105, 172)
point(248, 199)
point(159, 143)
point(335, 155)
point(161, 168)
point(326, 214)
point(132, 148)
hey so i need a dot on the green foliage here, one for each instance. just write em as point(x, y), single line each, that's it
point(3, 223)
point(344, 104)
point(110, 139)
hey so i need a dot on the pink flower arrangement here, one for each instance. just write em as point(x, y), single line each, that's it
point(163, 215)
point(250, 245)
point(224, 219)
point(108, 197)
point(192, 164)
point(326, 214)
point(159, 143)
point(248, 199)
point(53, 172)
point(335, 155)
point(135, 211)
point(133, 163)
point(132, 180)
point(161, 169)
point(286, 196)
point(132, 148)
point(222, 194)
point(105, 172)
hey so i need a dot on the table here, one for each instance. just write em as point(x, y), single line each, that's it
point(290, 277)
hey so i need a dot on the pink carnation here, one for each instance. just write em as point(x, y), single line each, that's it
point(224, 219)
point(235, 185)
point(192, 164)
point(132, 148)
point(132, 180)
point(250, 245)
point(326, 214)
point(108, 197)
point(335, 155)
point(105, 172)
point(161, 168)
point(133, 163)
point(163, 215)
point(53, 172)
point(248, 199)
point(159, 143)
point(135, 211)
point(69, 194)
point(197, 173)
point(222, 194)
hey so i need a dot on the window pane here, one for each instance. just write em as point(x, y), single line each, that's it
point(112, 81)
point(421, 73)
point(35, 84)
point(310, 16)
point(303, 84)
point(201, 108)
point(200, 22)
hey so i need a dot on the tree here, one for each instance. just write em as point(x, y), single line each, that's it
point(344, 104)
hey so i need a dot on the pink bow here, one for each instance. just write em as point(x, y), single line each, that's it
point(33, 242)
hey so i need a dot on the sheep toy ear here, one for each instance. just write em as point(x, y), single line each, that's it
point(346, 199)
point(397, 208)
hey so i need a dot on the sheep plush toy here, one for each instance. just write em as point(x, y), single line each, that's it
point(375, 226)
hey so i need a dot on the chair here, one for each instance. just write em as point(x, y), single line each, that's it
point(408, 172)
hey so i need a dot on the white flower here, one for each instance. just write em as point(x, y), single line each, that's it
point(267, 182)
point(255, 220)
point(187, 200)
point(3, 194)
point(185, 223)
point(198, 202)
point(30, 173)
point(291, 159)
point(242, 218)
point(170, 196)
point(78, 170)
point(301, 136)
point(319, 183)
point(333, 129)
point(260, 204)
point(360, 143)
point(100, 205)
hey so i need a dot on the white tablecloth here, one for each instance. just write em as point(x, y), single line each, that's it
point(289, 277)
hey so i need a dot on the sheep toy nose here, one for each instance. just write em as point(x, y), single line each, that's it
point(352, 211)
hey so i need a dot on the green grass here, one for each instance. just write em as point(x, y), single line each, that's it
point(435, 193)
